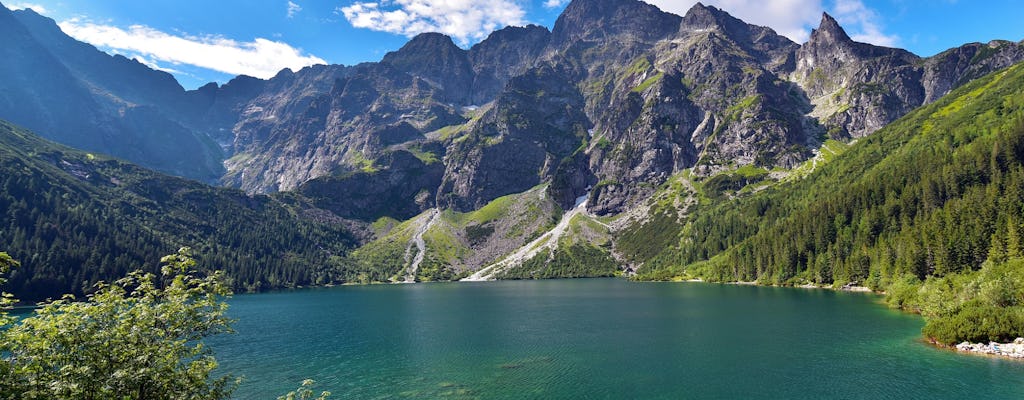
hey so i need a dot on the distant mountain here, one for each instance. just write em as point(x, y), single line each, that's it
point(73, 93)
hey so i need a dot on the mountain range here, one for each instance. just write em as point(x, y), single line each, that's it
point(534, 153)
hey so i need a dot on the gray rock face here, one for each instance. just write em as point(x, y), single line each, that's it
point(536, 122)
point(954, 67)
point(283, 141)
point(720, 93)
point(858, 88)
point(434, 58)
point(504, 54)
point(614, 100)
point(327, 120)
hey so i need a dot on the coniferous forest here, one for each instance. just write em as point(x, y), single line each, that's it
point(73, 219)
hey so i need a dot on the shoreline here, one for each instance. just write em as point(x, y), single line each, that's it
point(844, 288)
point(1013, 350)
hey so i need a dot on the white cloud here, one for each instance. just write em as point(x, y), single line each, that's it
point(856, 14)
point(795, 18)
point(22, 6)
point(555, 3)
point(293, 9)
point(261, 58)
point(464, 20)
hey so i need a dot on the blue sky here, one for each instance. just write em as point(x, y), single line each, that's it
point(204, 41)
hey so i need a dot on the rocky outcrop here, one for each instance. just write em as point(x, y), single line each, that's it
point(347, 129)
point(857, 88)
point(1011, 350)
point(517, 144)
point(434, 58)
point(504, 54)
point(328, 120)
point(401, 188)
point(954, 67)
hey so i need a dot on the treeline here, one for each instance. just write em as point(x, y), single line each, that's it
point(73, 219)
point(938, 192)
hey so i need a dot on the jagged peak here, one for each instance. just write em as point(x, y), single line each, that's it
point(829, 31)
point(429, 45)
point(605, 18)
point(430, 39)
point(698, 10)
point(512, 32)
point(708, 17)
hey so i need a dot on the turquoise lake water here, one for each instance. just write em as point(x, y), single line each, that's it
point(595, 339)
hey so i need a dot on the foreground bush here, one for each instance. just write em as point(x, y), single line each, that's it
point(138, 338)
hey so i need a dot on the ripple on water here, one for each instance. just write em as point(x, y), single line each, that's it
point(597, 338)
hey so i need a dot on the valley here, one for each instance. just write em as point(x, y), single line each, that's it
point(623, 141)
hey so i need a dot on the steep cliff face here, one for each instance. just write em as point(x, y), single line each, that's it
point(718, 94)
point(857, 88)
point(518, 143)
point(704, 94)
point(300, 126)
point(328, 120)
point(434, 58)
point(954, 67)
point(504, 54)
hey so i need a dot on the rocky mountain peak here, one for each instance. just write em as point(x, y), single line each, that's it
point(505, 53)
point(436, 59)
point(591, 20)
point(702, 17)
point(429, 41)
point(759, 41)
point(829, 32)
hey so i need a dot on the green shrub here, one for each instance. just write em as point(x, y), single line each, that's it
point(977, 322)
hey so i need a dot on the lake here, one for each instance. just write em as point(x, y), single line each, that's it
point(594, 339)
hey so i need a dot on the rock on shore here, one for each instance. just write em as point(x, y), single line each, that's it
point(1012, 350)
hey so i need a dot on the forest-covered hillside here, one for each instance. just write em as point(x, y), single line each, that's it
point(935, 199)
point(72, 218)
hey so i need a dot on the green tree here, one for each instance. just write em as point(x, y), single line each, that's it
point(6, 300)
point(138, 338)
